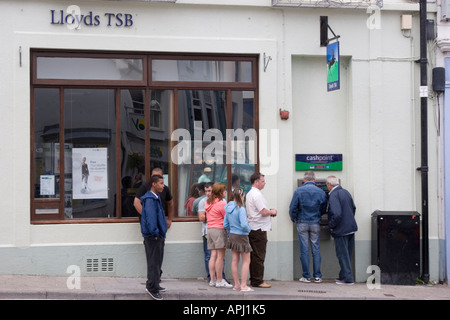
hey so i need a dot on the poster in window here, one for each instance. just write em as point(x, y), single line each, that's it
point(47, 185)
point(90, 173)
point(333, 77)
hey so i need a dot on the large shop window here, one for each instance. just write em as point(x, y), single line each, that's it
point(102, 122)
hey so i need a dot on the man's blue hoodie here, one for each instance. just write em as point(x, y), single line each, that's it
point(236, 219)
point(153, 220)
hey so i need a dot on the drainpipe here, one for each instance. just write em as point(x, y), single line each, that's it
point(424, 139)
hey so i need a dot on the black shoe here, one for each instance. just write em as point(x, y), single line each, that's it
point(154, 295)
point(342, 282)
point(161, 289)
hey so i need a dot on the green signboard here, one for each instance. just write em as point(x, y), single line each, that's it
point(318, 162)
point(333, 76)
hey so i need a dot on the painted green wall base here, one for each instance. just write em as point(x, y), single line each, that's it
point(181, 260)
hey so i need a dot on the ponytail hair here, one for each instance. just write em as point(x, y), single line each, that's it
point(236, 196)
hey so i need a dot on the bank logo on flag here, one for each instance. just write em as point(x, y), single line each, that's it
point(333, 81)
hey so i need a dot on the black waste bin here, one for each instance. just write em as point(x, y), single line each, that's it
point(396, 246)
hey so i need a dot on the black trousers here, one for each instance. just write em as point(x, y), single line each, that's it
point(258, 241)
point(154, 252)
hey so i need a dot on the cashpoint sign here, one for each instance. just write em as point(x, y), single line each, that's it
point(318, 162)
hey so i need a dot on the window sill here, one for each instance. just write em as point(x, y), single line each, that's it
point(92, 220)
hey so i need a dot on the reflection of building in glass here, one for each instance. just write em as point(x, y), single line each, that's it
point(204, 114)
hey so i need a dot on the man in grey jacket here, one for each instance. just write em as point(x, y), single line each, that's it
point(342, 223)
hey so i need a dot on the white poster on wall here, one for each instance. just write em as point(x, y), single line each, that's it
point(90, 173)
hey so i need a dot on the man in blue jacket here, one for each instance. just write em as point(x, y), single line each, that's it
point(306, 208)
point(342, 223)
point(153, 228)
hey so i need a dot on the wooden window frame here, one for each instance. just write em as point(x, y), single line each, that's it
point(86, 82)
point(147, 85)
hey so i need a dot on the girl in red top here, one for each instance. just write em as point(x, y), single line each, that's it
point(217, 235)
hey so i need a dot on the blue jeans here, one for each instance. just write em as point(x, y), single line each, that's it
point(207, 256)
point(309, 233)
point(344, 250)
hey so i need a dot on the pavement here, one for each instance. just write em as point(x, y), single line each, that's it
point(25, 287)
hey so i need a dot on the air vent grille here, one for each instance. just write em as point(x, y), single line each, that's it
point(107, 265)
point(99, 265)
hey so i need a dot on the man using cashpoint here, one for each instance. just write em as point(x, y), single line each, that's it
point(307, 206)
point(342, 223)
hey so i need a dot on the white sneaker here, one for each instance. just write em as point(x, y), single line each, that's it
point(212, 283)
point(223, 284)
point(304, 280)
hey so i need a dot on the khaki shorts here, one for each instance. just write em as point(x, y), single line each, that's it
point(217, 238)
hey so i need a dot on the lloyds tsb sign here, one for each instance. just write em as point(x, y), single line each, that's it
point(73, 18)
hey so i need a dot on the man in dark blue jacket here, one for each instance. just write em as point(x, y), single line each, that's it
point(153, 228)
point(306, 208)
point(342, 223)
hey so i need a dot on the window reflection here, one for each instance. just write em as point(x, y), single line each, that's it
point(161, 106)
point(244, 139)
point(133, 147)
point(203, 114)
point(134, 127)
point(201, 71)
point(89, 68)
point(46, 143)
point(89, 181)
point(103, 169)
